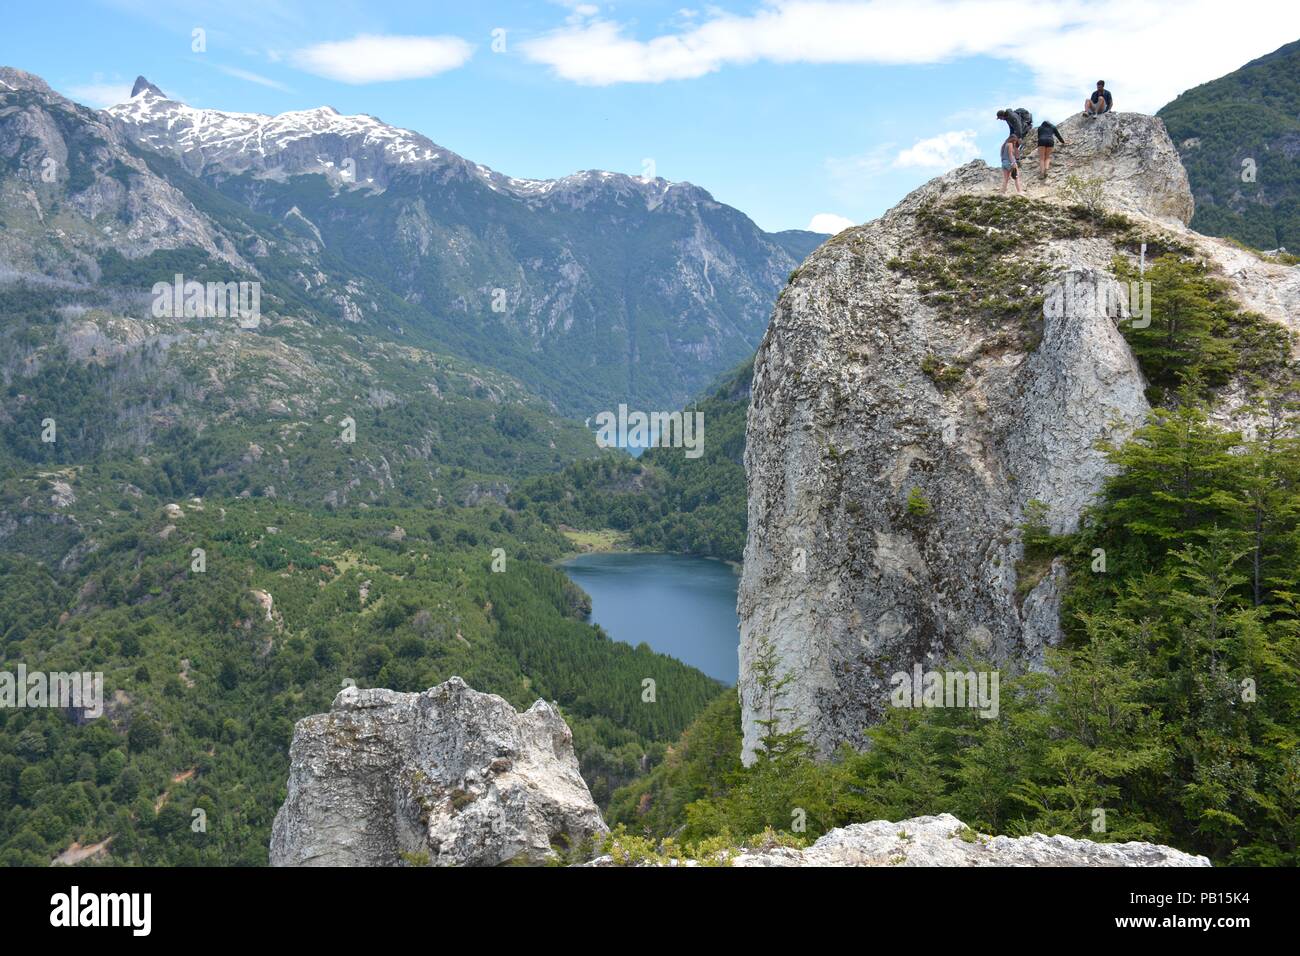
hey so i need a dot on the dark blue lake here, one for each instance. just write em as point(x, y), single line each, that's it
point(681, 606)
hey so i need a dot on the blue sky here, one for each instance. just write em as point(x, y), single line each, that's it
point(786, 110)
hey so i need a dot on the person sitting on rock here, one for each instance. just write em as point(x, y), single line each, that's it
point(1048, 134)
point(1100, 101)
point(1011, 163)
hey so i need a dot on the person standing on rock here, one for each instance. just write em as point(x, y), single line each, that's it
point(1100, 101)
point(1048, 134)
point(1014, 127)
point(1011, 163)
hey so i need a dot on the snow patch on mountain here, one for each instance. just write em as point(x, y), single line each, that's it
point(356, 151)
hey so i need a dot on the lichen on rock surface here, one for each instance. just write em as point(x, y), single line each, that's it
point(448, 777)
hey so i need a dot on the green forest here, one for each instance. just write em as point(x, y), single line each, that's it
point(203, 689)
point(1237, 137)
point(1174, 705)
point(662, 501)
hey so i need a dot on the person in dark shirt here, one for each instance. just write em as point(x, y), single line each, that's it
point(1016, 131)
point(1048, 134)
point(1100, 101)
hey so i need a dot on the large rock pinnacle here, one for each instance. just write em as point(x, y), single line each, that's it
point(920, 387)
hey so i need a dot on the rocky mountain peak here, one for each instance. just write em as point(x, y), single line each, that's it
point(914, 395)
point(142, 85)
point(15, 79)
point(323, 141)
point(68, 160)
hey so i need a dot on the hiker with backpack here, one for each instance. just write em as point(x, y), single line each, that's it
point(1100, 101)
point(1011, 163)
point(1019, 122)
point(1048, 134)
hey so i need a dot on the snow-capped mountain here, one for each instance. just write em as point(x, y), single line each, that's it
point(352, 151)
point(593, 290)
point(72, 186)
point(303, 141)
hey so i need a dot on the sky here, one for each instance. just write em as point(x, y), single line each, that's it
point(800, 113)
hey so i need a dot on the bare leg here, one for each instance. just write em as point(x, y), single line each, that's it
point(1006, 175)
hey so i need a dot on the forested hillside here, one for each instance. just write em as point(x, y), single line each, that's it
point(667, 286)
point(230, 522)
point(206, 670)
point(1239, 138)
point(662, 501)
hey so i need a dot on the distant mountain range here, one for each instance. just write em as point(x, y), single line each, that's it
point(1239, 139)
point(495, 312)
point(593, 289)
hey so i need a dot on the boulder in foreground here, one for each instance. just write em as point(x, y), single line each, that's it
point(448, 777)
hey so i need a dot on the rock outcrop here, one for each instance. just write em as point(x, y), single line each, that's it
point(914, 395)
point(941, 840)
point(449, 777)
point(945, 841)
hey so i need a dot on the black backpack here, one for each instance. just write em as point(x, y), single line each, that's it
point(1026, 121)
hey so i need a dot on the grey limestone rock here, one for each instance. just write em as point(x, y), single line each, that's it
point(448, 777)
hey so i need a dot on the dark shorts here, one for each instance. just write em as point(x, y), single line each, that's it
point(1047, 142)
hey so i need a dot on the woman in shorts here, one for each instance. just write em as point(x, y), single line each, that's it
point(1011, 162)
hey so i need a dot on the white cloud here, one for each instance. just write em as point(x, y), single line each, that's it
point(940, 152)
point(1148, 51)
point(100, 94)
point(579, 10)
point(370, 58)
point(847, 174)
point(251, 77)
point(829, 223)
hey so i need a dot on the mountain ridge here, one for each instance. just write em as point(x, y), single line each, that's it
point(593, 289)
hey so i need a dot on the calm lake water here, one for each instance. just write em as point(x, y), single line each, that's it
point(681, 606)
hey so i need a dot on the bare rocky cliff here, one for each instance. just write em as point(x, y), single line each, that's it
point(924, 378)
point(71, 188)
